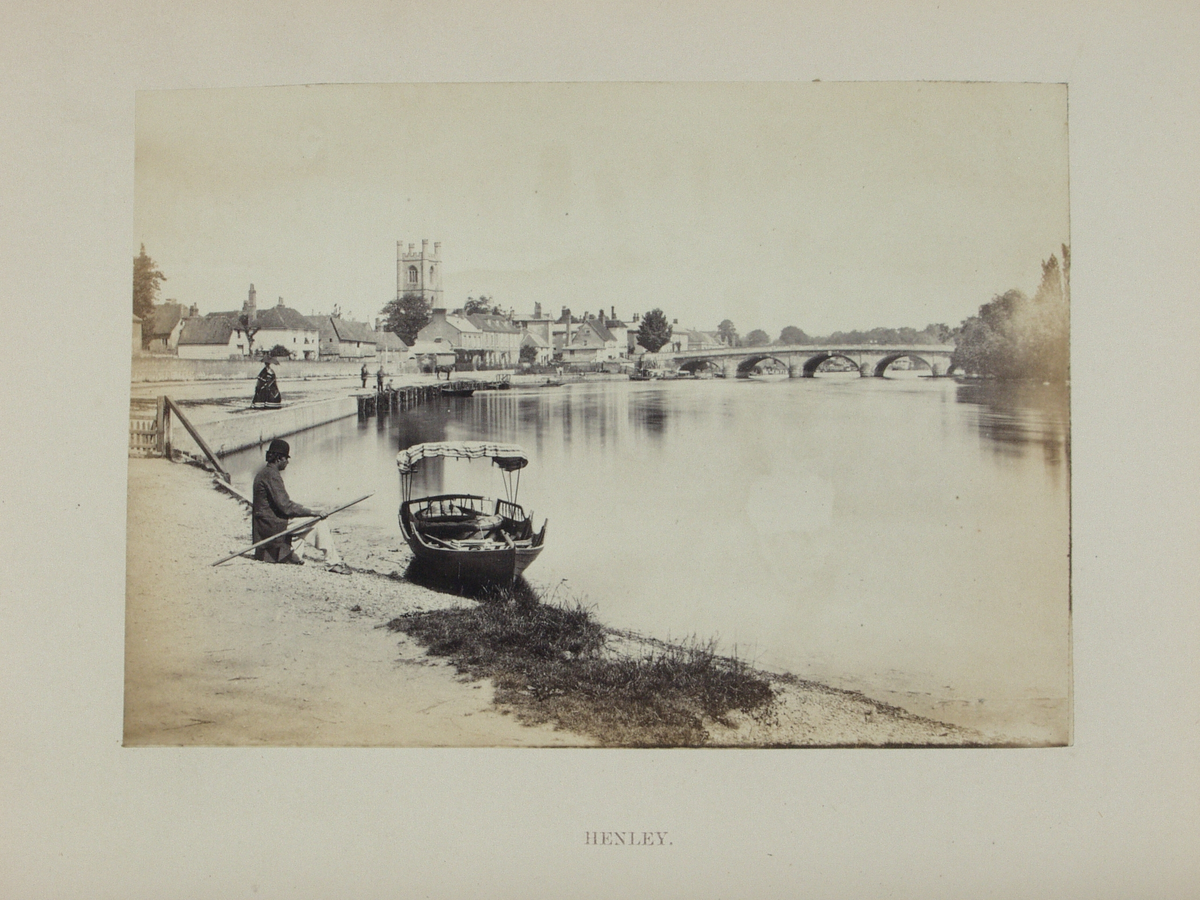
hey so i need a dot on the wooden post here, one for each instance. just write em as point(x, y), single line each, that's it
point(160, 427)
point(212, 457)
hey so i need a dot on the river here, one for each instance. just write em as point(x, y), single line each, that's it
point(905, 536)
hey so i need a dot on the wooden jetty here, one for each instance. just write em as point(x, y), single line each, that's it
point(373, 403)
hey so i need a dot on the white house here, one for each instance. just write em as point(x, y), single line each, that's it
point(501, 339)
point(541, 348)
point(280, 325)
point(593, 342)
point(212, 337)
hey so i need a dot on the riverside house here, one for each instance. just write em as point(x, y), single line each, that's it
point(212, 337)
point(344, 338)
point(453, 330)
point(162, 329)
point(592, 341)
point(501, 339)
point(220, 335)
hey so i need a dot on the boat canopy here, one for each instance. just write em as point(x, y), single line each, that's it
point(508, 457)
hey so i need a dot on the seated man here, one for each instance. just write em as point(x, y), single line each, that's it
point(272, 509)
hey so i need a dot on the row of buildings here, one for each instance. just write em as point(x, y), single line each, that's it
point(174, 328)
point(478, 340)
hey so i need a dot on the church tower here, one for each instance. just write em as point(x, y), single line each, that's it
point(420, 272)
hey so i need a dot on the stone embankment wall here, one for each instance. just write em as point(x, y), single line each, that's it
point(234, 433)
point(172, 368)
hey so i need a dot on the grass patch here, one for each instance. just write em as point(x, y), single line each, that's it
point(551, 664)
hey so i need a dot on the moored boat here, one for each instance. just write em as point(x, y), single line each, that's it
point(467, 538)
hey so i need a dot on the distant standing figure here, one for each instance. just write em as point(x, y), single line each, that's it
point(379, 380)
point(266, 391)
point(272, 509)
point(363, 373)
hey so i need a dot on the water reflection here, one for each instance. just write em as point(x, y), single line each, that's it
point(1013, 417)
point(889, 535)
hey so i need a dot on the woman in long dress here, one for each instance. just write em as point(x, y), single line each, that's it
point(266, 391)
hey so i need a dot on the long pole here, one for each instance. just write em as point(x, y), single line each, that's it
point(212, 457)
point(290, 530)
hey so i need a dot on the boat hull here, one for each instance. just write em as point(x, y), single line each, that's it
point(444, 549)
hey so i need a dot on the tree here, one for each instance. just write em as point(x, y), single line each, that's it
point(529, 354)
point(1016, 337)
point(251, 329)
point(654, 331)
point(482, 305)
point(146, 281)
point(793, 335)
point(406, 316)
point(728, 333)
point(938, 333)
point(758, 338)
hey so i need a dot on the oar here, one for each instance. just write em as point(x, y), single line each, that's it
point(302, 526)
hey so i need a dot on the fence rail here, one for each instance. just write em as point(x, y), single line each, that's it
point(144, 437)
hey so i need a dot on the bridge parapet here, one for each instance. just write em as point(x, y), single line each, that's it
point(803, 360)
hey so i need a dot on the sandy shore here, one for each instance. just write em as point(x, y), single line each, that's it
point(251, 654)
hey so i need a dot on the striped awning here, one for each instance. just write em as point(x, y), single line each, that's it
point(507, 456)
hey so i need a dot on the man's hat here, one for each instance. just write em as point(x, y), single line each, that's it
point(279, 448)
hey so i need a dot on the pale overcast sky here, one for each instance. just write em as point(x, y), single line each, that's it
point(826, 206)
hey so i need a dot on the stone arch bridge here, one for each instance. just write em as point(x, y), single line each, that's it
point(802, 361)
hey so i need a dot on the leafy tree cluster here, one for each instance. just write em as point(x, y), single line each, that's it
point(757, 338)
point(654, 330)
point(146, 282)
point(792, 335)
point(407, 315)
point(1014, 336)
point(930, 334)
point(482, 304)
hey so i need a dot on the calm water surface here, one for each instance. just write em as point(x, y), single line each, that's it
point(907, 537)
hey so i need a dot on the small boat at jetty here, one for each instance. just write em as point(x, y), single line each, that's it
point(464, 537)
point(458, 389)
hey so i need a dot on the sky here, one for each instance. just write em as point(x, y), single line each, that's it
point(828, 206)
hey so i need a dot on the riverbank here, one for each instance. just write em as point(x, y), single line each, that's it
point(247, 653)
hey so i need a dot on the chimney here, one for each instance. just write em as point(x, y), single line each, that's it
point(280, 303)
point(249, 309)
point(437, 248)
point(614, 312)
point(537, 310)
point(601, 316)
point(378, 324)
point(193, 311)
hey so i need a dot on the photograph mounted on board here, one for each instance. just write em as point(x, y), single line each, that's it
point(611, 414)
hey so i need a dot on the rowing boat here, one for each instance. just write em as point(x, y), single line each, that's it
point(468, 538)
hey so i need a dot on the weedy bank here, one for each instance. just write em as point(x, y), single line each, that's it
point(553, 663)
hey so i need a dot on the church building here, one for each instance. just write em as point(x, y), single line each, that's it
point(420, 272)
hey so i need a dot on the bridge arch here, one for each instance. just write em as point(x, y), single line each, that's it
point(882, 366)
point(747, 365)
point(699, 365)
point(815, 362)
